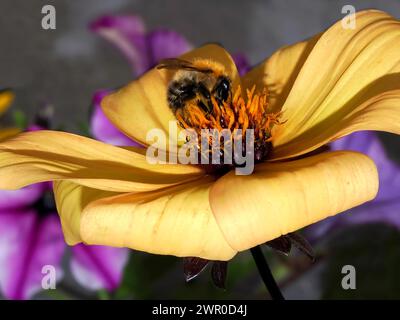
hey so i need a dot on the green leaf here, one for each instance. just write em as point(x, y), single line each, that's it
point(142, 274)
point(20, 119)
point(84, 129)
point(103, 295)
point(161, 277)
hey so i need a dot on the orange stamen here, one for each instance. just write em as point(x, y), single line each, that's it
point(249, 112)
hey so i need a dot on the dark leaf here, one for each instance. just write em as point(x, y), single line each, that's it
point(302, 244)
point(143, 273)
point(218, 273)
point(373, 250)
point(193, 266)
point(281, 244)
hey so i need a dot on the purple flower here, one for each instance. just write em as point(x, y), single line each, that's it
point(31, 238)
point(28, 242)
point(385, 208)
point(143, 50)
point(242, 63)
point(97, 267)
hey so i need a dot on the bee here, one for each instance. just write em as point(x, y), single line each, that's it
point(196, 82)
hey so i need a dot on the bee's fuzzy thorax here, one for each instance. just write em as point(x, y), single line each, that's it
point(217, 68)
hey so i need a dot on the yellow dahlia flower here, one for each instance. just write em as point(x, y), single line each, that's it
point(338, 82)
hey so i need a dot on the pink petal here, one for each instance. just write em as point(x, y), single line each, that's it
point(242, 63)
point(21, 198)
point(98, 267)
point(166, 44)
point(143, 51)
point(28, 242)
point(127, 33)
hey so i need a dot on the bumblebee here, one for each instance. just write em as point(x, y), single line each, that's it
point(196, 82)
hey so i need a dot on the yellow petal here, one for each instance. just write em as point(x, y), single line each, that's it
point(71, 199)
point(279, 198)
point(279, 72)
point(345, 69)
point(6, 99)
point(50, 155)
point(142, 105)
point(380, 113)
point(176, 221)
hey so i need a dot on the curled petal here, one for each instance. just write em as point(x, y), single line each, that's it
point(368, 143)
point(280, 198)
point(175, 221)
point(386, 205)
point(50, 155)
point(71, 199)
point(142, 105)
point(349, 82)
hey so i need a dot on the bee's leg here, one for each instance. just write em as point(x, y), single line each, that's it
point(222, 90)
point(205, 102)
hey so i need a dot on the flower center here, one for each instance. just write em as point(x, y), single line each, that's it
point(240, 115)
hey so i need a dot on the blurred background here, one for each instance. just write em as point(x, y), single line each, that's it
point(64, 67)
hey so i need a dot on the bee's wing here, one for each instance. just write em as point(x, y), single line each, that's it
point(180, 64)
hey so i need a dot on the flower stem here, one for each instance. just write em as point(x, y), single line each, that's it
point(266, 274)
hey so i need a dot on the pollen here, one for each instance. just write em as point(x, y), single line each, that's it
point(239, 112)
